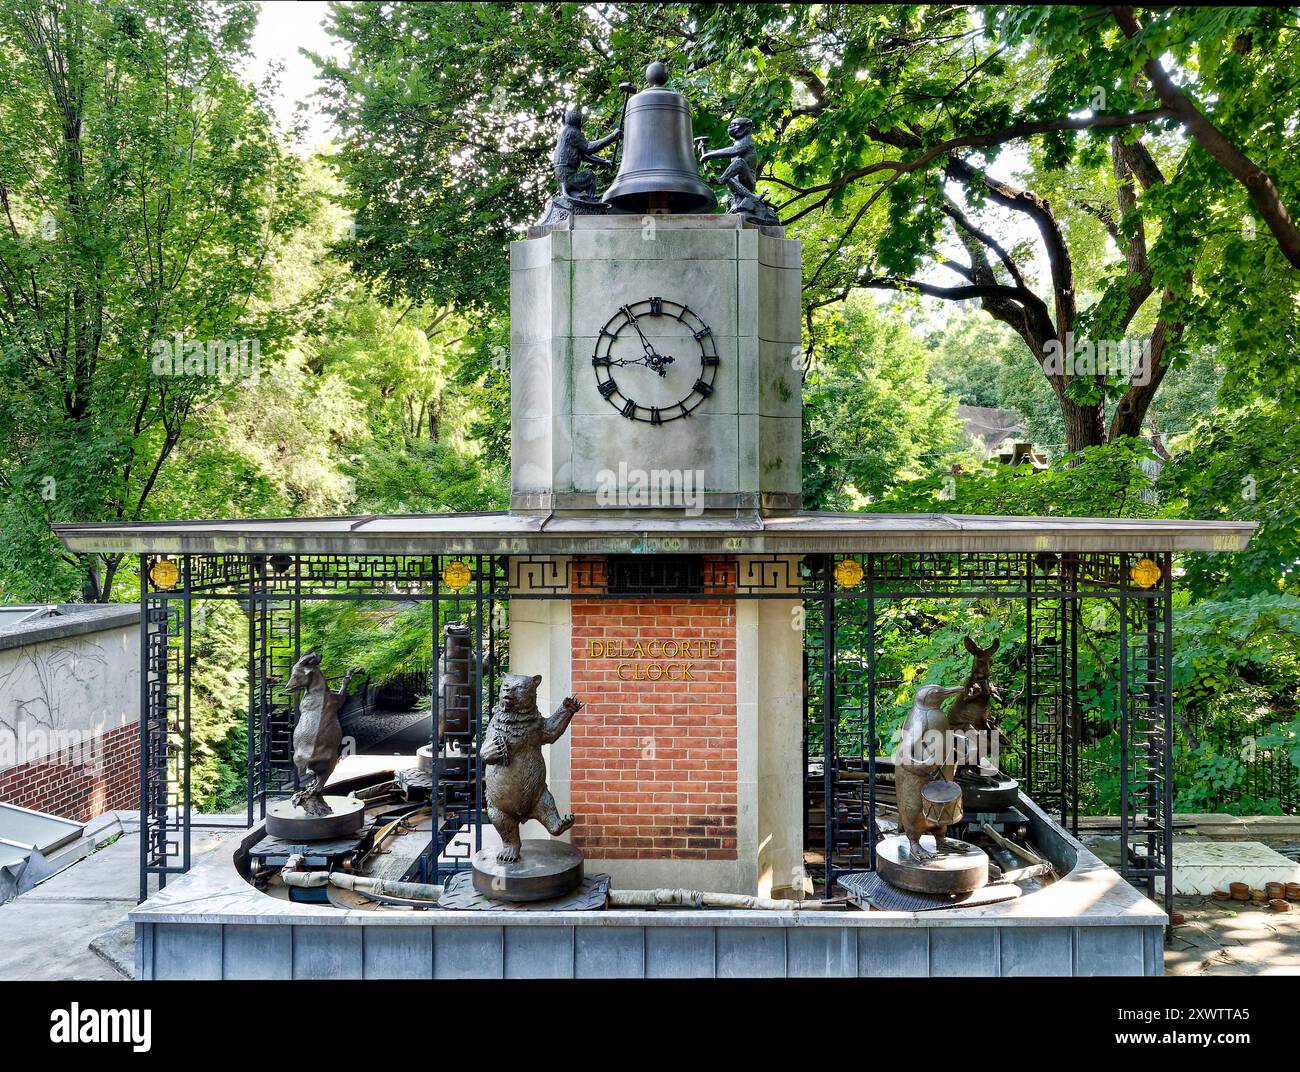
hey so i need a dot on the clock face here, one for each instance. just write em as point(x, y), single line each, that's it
point(655, 361)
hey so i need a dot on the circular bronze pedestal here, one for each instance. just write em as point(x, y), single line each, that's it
point(288, 822)
point(545, 869)
point(960, 868)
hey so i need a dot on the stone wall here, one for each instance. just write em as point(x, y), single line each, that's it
point(69, 712)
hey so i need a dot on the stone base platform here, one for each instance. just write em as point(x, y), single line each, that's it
point(211, 924)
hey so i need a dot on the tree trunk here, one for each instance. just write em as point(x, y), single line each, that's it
point(1085, 426)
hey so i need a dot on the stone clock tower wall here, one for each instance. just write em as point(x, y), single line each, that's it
point(744, 439)
point(677, 780)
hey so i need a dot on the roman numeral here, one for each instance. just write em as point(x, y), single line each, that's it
point(704, 332)
point(629, 409)
point(708, 359)
point(597, 362)
point(608, 388)
point(654, 416)
point(656, 307)
point(703, 388)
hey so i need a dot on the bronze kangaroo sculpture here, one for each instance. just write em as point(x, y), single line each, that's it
point(970, 711)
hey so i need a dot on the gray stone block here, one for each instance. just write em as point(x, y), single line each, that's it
point(891, 953)
point(187, 951)
point(144, 951)
point(963, 951)
point(708, 287)
point(609, 953)
point(603, 442)
point(780, 312)
point(653, 241)
point(751, 952)
point(821, 953)
point(680, 952)
point(779, 382)
point(327, 952)
point(1153, 950)
point(1109, 951)
point(779, 252)
point(780, 456)
point(256, 952)
point(398, 953)
point(467, 952)
point(1036, 950)
point(539, 953)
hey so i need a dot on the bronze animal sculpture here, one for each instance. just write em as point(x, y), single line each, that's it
point(516, 772)
point(925, 752)
point(740, 176)
point(971, 709)
point(572, 150)
point(317, 736)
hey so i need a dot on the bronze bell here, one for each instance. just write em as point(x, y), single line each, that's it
point(658, 171)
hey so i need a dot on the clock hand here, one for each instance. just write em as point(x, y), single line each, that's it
point(631, 317)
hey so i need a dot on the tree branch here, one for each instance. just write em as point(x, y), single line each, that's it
point(1258, 183)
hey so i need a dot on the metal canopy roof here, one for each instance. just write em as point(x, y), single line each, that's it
point(507, 533)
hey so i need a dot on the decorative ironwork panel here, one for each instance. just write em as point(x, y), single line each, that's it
point(164, 735)
point(848, 601)
point(1049, 758)
point(955, 572)
point(1145, 701)
point(273, 651)
point(469, 668)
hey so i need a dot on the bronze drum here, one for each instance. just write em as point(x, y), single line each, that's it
point(941, 802)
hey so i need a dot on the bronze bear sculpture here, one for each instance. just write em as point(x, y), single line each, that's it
point(515, 770)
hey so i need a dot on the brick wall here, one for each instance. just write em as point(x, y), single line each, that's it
point(68, 786)
point(653, 761)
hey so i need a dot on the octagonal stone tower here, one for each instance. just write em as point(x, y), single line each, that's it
point(597, 303)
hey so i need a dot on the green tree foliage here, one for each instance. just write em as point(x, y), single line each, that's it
point(873, 415)
point(218, 705)
point(468, 98)
point(143, 189)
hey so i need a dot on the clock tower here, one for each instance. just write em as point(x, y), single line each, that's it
point(655, 377)
point(655, 352)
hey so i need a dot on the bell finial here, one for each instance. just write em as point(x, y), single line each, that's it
point(656, 74)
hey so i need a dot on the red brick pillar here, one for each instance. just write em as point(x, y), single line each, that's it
point(653, 754)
